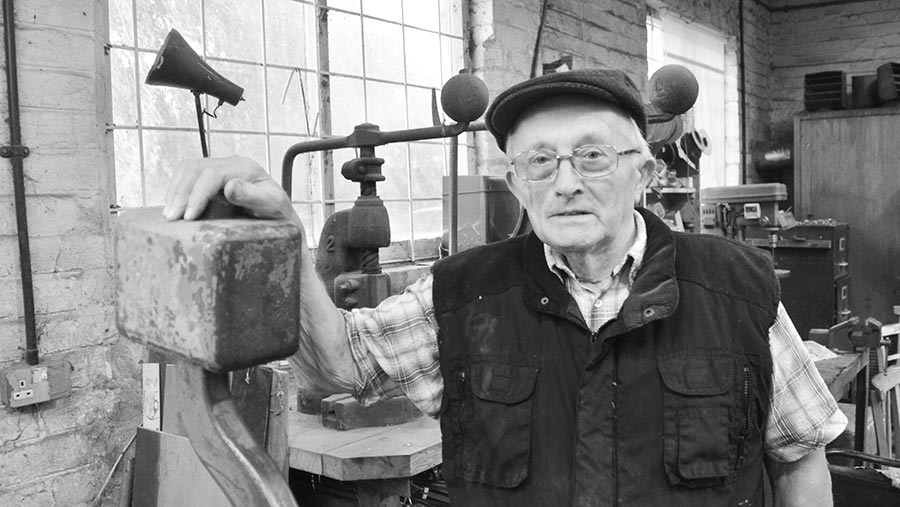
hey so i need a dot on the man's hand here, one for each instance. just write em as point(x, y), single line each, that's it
point(324, 358)
point(802, 482)
point(245, 183)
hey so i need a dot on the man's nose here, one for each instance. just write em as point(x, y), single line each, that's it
point(568, 181)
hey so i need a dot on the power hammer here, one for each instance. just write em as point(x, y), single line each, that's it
point(219, 294)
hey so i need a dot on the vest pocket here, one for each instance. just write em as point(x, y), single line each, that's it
point(700, 407)
point(496, 433)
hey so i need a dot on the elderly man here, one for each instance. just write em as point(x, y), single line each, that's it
point(600, 360)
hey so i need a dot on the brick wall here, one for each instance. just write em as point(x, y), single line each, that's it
point(599, 33)
point(855, 38)
point(59, 453)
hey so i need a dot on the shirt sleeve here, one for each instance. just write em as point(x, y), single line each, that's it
point(395, 349)
point(803, 415)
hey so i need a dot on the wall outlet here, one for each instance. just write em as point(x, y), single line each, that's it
point(23, 384)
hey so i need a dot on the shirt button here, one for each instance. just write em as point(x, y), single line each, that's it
point(545, 300)
point(649, 312)
point(598, 303)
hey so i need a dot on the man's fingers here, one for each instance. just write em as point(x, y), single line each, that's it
point(262, 200)
point(208, 183)
point(179, 190)
point(196, 182)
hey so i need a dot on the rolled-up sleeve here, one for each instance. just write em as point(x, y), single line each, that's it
point(395, 348)
point(803, 415)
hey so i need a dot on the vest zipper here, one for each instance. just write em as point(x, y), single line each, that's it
point(745, 429)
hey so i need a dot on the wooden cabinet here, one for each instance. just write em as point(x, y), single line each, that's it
point(847, 167)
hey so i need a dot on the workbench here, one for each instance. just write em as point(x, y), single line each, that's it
point(838, 372)
point(380, 461)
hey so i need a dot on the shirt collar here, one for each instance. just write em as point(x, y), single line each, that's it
point(558, 265)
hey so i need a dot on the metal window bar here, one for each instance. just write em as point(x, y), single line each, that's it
point(327, 200)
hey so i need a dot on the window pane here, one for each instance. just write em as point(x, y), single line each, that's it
point(421, 48)
point(426, 169)
point(155, 18)
point(124, 91)
point(290, 34)
point(382, 46)
point(395, 171)
point(463, 155)
point(398, 212)
point(391, 10)
point(128, 169)
point(293, 102)
point(452, 55)
point(451, 17)
point(419, 105)
point(345, 43)
point(347, 104)
point(224, 144)
point(163, 153)
point(347, 5)
point(234, 29)
point(164, 106)
point(311, 216)
point(386, 105)
point(248, 114)
point(422, 14)
point(306, 180)
point(121, 22)
point(427, 219)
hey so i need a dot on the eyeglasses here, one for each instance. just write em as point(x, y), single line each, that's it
point(589, 161)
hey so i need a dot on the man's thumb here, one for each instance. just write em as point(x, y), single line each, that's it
point(249, 196)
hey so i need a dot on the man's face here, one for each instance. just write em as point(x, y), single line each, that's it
point(572, 214)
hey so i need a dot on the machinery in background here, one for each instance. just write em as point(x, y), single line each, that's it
point(811, 257)
point(347, 259)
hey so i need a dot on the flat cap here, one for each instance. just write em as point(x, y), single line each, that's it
point(608, 85)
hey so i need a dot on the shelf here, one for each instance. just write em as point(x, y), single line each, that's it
point(670, 190)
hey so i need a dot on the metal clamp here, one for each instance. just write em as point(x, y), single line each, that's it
point(15, 150)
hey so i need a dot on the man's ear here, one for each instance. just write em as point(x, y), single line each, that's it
point(515, 186)
point(645, 173)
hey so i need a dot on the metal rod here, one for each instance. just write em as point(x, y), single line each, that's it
point(18, 170)
point(369, 139)
point(199, 108)
point(454, 195)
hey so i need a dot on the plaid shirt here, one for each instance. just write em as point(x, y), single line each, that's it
point(395, 349)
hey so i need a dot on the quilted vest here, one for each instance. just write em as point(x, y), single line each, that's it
point(664, 405)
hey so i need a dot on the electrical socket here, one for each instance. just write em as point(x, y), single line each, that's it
point(24, 384)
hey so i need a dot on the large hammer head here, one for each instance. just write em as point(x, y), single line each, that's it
point(224, 294)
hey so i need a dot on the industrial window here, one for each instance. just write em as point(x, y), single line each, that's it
point(712, 59)
point(309, 69)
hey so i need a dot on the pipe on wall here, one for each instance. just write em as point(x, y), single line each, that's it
point(743, 92)
point(16, 153)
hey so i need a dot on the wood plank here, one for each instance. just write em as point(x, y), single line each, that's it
point(402, 451)
point(151, 399)
point(309, 440)
point(838, 372)
point(277, 429)
point(250, 389)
